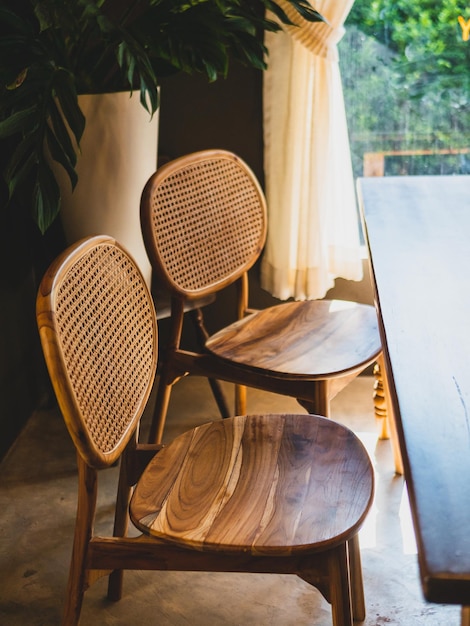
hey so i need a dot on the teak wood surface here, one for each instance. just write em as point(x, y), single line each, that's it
point(418, 231)
point(326, 339)
point(268, 484)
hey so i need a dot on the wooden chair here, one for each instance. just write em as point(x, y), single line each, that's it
point(244, 494)
point(204, 224)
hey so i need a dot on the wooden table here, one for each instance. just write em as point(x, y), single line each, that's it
point(418, 232)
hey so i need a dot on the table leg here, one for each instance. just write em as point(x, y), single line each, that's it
point(465, 620)
point(380, 405)
point(391, 419)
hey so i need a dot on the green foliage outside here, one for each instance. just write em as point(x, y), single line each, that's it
point(406, 76)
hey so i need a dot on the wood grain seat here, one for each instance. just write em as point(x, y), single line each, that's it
point(326, 338)
point(204, 223)
point(263, 493)
point(265, 484)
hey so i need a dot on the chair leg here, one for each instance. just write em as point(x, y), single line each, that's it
point(320, 402)
point(219, 397)
point(340, 586)
point(121, 524)
point(161, 408)
point(357, 584)
point(77, 581)
point(201, 336)
point(240, 400)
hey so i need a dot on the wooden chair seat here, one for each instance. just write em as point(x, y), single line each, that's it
point(275, 493)
point(256, 484)
point(310, 340)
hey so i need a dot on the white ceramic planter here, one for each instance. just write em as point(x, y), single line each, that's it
point(118, 155)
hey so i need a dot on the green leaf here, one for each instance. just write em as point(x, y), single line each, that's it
point(279, 13)
point(149, 96)
point(64, 88)
point(12, 22)
point(44, 14)
point(20, 173)
point(23, 151)
point(17, 122)
point(58, 154)
point(306, 10)
point(61, 135)
point(46, 198)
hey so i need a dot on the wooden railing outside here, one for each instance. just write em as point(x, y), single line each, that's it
point(374, 162)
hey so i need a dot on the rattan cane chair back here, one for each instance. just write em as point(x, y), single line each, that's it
point(206, 222)
point(93, 308)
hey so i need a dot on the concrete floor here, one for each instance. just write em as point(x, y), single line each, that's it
point(37, 509)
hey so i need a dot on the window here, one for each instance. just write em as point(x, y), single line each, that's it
point(405, 66)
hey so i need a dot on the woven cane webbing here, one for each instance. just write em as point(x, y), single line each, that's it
point(105, 324)
point(208, 219)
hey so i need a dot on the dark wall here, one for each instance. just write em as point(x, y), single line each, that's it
point(24, 256)
point(17, 371)
point(227, 113)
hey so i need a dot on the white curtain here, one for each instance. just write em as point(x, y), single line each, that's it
point(313, 233)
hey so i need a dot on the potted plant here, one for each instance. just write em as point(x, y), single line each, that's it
point(53, 50)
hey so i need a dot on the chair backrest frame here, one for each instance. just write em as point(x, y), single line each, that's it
point(204, 222)
point(98, 331)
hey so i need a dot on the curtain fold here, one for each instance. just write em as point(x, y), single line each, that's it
point(313, 232)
